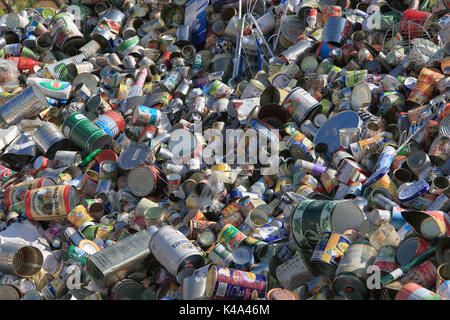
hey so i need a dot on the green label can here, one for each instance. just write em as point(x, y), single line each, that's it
point(84, 133)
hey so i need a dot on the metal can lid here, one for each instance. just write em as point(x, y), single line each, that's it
point(413, 191)
point(133, 156)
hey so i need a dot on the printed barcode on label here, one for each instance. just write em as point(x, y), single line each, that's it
point(221, 289)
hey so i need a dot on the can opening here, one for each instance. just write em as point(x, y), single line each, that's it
point(27, 261)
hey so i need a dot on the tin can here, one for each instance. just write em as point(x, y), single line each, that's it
point(126, 289)
point(243, 258)
point(231, 237)
point(174, 251)
point(28, 104)
point(16, 193)
point(294, 272)
point(385, 260)
point(78, 216)
point(351, 272)
point(220, 256)
point(65, 32)
point(49, 203)
point(84, 133)
point(111, 122)
point(311, 218)
point(336, 31)
point(19, 259)
point(223, 283)
point(414, 22)
point(144, 180)
point(64, 158)
point(50, 139)
point(413, 291)
point(9, 292)
point(146, 115)
point(301, 104)
point(328, 252)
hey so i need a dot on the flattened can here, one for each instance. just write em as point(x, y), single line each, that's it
point(84, 133)
point(227, 284)
point(328, 252)
point(50, 203)
point(174, 251)
point(16, 193)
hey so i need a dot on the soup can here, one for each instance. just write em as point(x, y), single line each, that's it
point(231, 237)
point(50, 139)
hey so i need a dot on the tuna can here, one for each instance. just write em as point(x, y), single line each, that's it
point(294, 272)
point(351, 274)
point(16, 193)
point(328, 252)
point(301, 104)
point(144, 180)
point(231, 237)
point(313, 217)
point(225, 284)
point(84, 133)
point(50, 203)
point(126, 289)
point(27, 104)
point(111, 122)
point(174, 251)
point(413, 291)
point(64, 158)
point(19, 259)
point(49, 139)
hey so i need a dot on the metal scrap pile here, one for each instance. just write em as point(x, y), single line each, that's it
point(229, 149)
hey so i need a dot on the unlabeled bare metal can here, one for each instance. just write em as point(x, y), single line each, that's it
point(26, 104)
point(50, 139)
point(19, 259)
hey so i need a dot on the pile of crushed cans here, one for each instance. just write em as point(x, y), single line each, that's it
point(223, 149)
